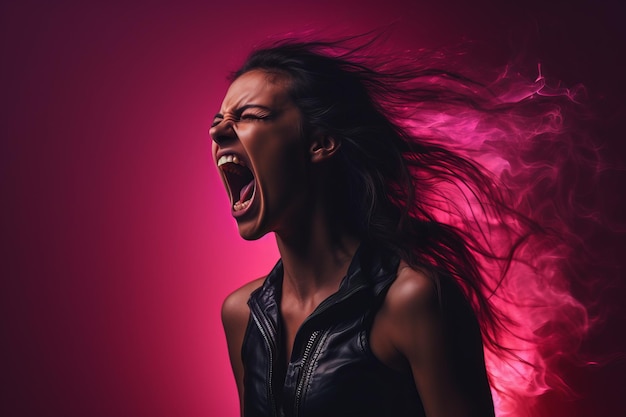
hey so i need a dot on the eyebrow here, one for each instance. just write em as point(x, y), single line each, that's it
point(243, 108)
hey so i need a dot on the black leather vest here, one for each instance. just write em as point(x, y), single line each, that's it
point(332, 371)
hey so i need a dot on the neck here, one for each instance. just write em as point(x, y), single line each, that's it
point(315, 260)
point(315, 246)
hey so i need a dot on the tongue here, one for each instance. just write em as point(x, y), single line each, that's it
point(246, 192)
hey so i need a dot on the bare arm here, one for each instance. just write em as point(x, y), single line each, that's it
point(441, 343)
point(235, 316)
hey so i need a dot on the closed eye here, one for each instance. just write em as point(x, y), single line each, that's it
point(249, 112)
point(251, 116)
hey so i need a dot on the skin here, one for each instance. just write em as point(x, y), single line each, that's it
point(408, 333)
point(258, 123)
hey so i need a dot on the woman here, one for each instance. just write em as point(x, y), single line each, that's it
point(379, 305)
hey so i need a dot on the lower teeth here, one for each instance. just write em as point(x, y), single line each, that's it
point(238, 206)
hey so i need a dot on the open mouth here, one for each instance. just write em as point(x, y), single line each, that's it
point(239, 180)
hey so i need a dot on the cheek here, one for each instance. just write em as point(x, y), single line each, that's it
point(281, 145)
point(285, 182)
point(280, 163)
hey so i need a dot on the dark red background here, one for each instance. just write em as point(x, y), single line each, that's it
point(118, 246)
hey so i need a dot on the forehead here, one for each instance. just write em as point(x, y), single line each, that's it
point(257, 87)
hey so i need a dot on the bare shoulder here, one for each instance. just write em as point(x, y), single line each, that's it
point(444, 357)
point(410, 307)
point(413, 291)
point(411, 314)
point(235, 316)
point(235, 309)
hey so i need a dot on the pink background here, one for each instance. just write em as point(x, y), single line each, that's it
point(118, 246)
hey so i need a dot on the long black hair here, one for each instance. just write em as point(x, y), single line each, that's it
point(410, 186)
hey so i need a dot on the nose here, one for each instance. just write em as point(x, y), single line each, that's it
point(223, 132)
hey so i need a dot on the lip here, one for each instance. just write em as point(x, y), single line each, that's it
point(227, 151)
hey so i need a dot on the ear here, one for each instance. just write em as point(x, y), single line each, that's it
point(323, 147)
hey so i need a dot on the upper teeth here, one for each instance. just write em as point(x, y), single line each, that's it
point(224, 159)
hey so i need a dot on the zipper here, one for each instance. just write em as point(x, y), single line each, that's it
point(266, 331)
point(310, 350)
point(307, 370)
point(332, 302)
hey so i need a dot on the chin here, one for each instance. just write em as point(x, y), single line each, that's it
point(250, 236)
point(250, 231)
